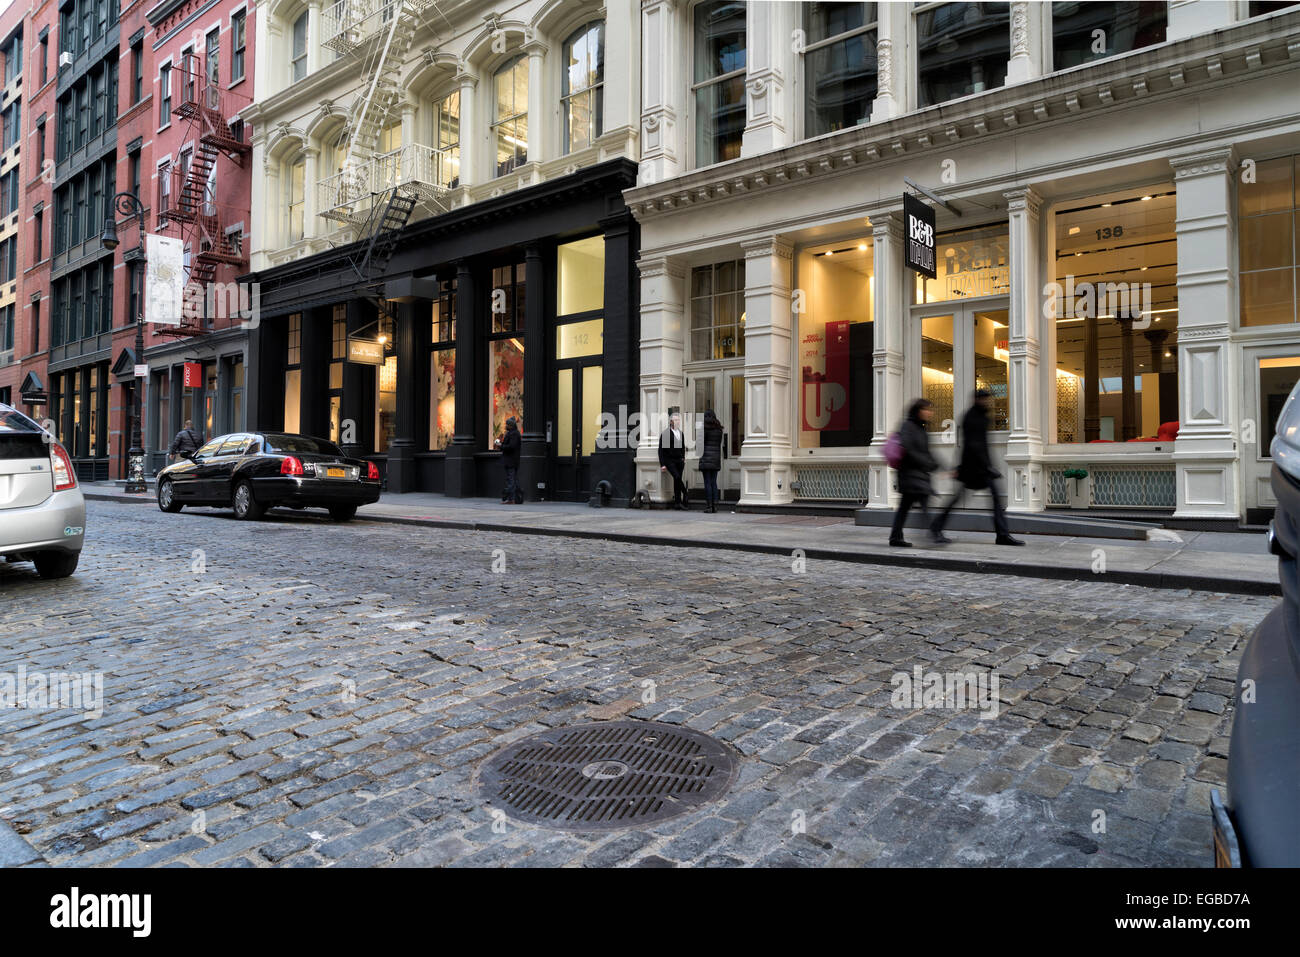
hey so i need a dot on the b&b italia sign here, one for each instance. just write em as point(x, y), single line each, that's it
point(918, 228)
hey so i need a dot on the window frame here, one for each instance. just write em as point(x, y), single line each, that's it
point(238, 44)
point(165, 94)
point(694, 88)
point(801, 76)
point(595, 90)
point(498, 122)
point(296, 58)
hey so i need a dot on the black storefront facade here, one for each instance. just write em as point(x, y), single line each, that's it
point(520, 305)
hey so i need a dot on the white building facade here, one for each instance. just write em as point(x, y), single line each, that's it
point(1116, 259)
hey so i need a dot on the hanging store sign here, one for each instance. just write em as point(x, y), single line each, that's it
point(368, 352)
point(164, 280)
point(919, 236)
point(193, 372)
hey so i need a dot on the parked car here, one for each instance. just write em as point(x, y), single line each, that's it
point(42, 510)
point(253, 471)
point(1259, 826)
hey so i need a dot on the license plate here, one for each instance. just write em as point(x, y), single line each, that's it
point(337, 473)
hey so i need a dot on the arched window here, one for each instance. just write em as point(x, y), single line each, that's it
point(583, 86)
point(298, 53)
point(719, 80)
point(510, 126)
point(295, 199)
point(447, 140)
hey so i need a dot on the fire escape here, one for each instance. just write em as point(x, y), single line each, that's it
point(374, 195)
point(195, 214)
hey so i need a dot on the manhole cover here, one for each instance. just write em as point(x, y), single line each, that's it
point(610, 774)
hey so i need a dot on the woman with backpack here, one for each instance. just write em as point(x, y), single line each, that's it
point(915, 463)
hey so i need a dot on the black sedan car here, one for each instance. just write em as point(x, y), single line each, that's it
point(253, 471)
point(1259, 826)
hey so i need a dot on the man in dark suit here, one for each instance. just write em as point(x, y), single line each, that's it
point(976, 471)
point(672, 458)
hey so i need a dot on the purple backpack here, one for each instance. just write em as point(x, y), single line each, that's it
point(894, 451)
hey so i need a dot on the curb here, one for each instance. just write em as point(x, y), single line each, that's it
point(1143, 579)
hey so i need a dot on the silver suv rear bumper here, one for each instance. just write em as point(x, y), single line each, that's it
point(57, 524)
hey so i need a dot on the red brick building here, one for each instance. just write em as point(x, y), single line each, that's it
point(15, 168)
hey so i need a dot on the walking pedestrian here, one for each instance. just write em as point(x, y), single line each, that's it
point(186, 443)
point(672, 458)
point(509, 445)
point(914, 470)
point(976, 471)
point(711, 459)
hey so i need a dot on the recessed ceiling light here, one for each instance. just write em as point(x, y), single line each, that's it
point(862, 246)
point(1105, 205)
point(829, 252)
point(1145, 198)
point(1073, 230)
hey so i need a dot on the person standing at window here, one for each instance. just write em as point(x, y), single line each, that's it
point(509, 445)
point(672, 458)
point(711, 459)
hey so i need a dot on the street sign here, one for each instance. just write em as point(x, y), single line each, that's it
point(368, 352)
point(141, 372)
point(193, 375)
point(918, 235)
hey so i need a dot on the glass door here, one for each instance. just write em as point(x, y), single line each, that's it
point(724, 392)
point(1271, 374)
point(579, 379)
point(962, 348)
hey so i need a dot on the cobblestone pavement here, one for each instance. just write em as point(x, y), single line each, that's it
point(303, 693)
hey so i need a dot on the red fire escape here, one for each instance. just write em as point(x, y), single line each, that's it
point(195, 214)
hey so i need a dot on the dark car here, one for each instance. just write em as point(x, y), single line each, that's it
point(1260, 825)
point(253, 471)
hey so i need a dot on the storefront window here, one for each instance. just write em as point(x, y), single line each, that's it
point(210, 422)
point(1082, 32)
point(839, 64)
point(1277, 377)
point(292, 375)
point(968, 264)
point(580, 279)
point(1268, 211)
point(508, 300)
point(386, 407)
point(718, 311)
point(505, 384)
point(1114, 301)
point(719, 87)
point(835, 335)
point(962, 48)
point(92, 425)
point(573, 340)
point(442, 367)
point(939, 366)
point(162, 428)
point(237, 392)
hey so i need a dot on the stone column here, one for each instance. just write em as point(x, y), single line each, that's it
point(1209, 485)
point(539, 116)
point(533, 451)
point(1128, 393)
point(663, 345)
point(310, 175)
point(1024, 380)
point(891, 61)
point(315, 52)
point(765, 471)
point(613, 460)
point(769, 29)
point(459, 480)
point(1026, 61)
point(665, 44)
point(887, 363)
point(412, 342)
point(471, 148)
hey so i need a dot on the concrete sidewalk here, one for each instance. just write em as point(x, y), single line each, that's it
point(1234, 562)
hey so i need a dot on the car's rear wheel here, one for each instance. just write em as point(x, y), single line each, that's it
point(343, 513)
point(245, 505)
point(167, 497)
point(56, 564)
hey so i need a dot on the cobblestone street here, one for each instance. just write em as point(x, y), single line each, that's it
point(301, 693)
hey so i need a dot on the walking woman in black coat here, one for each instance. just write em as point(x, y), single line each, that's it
point(711, 459)
point(914, 471)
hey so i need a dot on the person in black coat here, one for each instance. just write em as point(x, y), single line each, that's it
point(672, 458)
point(186, 443)
point(711, 459)
point(509, 445)
point(914, 471)
point(976, 471)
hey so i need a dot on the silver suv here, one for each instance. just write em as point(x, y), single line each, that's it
point(42, 511)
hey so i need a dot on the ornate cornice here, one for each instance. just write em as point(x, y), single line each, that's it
point(1204, 163)
point(1159, 73)
point(1022, 200)
point(767, 246)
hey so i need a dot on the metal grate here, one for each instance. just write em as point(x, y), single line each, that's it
point(607, 775)
point(839, 482)
point(1058, 491)
point(1134, 487)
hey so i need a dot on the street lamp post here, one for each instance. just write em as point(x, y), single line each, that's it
point(128, 204)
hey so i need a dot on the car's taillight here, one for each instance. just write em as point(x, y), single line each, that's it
point(64, 477)
point(291, 466)
point(372, 472)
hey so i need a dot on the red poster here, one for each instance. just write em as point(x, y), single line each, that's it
point(826, 389)
point(193, 375)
